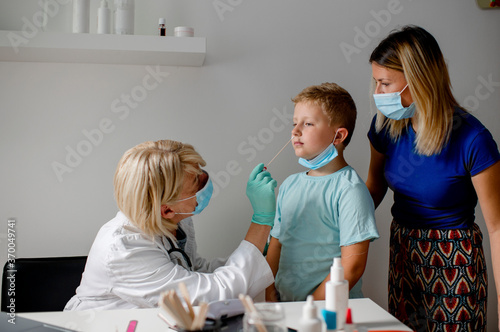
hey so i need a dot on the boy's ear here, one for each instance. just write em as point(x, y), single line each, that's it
point(341, 136)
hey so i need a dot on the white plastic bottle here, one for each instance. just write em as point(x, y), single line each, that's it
point(124, 17)
point(81, 16)
point(104, 18)
point(310, 321)
point(337, 292)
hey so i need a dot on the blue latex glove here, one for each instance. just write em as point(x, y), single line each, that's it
point(260, 192)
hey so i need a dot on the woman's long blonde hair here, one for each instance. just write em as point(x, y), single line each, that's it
point(414, 52)
point(150, 175)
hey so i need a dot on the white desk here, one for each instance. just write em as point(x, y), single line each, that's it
point(364, 311)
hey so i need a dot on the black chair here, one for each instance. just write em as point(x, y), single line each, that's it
point(40, 284)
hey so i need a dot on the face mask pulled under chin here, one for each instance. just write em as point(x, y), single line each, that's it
point(391, 106)
point(203, 197)
point(323, 158)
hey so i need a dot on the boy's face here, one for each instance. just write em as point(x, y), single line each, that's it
point(311, 132)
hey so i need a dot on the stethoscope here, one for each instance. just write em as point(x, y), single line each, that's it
point(173, 249)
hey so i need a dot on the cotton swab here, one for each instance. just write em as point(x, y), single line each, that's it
point(171, 310)
point(199, 321)
point(244, 302)
point(185, 295)
point(171, 303)
point(250, 307)
point(260, 326)
point(250, 304)
point(184, 316)
point(269, 163)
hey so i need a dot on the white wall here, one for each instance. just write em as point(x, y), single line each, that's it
point(235, 110)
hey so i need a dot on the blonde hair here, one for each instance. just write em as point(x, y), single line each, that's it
point(414, 52)
point(150, 175)
point(336, 103)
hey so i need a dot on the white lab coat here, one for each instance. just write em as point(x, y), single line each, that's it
point(127, 269)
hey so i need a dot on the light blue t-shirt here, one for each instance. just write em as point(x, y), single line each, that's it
point(315, 216)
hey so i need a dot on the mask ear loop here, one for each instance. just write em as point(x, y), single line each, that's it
point(199, 191)
point(269, 163)
point(335, 137)
point(400, 92)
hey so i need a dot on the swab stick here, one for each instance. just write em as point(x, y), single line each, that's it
point(269, 163)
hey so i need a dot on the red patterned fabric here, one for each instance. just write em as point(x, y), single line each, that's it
point(438, 279)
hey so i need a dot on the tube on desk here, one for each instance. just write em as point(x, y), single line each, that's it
point(337, 292)
point(309, 321)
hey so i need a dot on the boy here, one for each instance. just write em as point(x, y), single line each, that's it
point(326, 211)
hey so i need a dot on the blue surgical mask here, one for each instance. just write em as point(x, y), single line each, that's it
point(323, 158)
point(390, 105)
point(202, 198)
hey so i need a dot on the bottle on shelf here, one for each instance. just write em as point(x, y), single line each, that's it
point(161, 27)
point(104, 18)
point(124, 17)
point(81, 16)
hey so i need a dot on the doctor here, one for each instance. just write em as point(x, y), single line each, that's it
point(150, 245)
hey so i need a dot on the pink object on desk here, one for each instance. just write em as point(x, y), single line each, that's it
point(131, 326)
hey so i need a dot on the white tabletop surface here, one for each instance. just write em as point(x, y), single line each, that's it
point(365, 312)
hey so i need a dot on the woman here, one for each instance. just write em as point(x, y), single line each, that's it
point(150, 245)
point(439, 160)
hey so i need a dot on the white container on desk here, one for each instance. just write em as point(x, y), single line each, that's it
point(337, 292)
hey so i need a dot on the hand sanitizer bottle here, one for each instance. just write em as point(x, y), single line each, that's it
point(337, 292)
point(310, 321)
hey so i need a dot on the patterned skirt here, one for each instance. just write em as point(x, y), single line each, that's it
point(438, 279)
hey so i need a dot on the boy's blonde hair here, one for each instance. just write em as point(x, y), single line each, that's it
point(414, 52)
point(150, 175)
point(336, 103)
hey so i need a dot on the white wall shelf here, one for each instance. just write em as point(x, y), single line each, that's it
point(102, 49)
